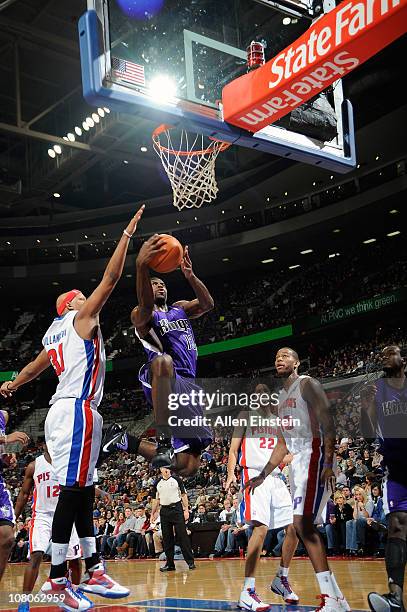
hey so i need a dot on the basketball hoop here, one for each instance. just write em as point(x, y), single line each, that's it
point(190, 167)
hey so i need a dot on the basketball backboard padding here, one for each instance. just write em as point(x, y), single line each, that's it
point(100, 90)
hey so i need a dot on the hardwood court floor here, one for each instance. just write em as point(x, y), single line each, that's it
point(214, 585)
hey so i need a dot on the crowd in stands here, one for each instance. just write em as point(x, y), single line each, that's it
point(242, 305)
point(353, 523)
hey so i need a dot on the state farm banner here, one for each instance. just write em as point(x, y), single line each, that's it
point(333, 46)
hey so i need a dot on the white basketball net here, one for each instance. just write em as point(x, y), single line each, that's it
point(190, 166)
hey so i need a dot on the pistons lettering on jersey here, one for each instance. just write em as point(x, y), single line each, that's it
point(271, 431)
point(43, 477)
point(290, 402)
point(181, 325)
point(54, 339)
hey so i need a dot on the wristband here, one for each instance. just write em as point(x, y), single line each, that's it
point(126, 233)
point(8, 386)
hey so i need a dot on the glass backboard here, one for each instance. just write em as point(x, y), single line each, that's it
point(168, 61)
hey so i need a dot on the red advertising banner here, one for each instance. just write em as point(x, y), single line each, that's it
point(334, 45)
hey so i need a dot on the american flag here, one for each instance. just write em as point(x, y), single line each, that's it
point(128, 71)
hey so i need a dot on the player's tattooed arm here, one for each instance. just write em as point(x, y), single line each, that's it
point(204, 301)
point(26, 489)
point(141, 315)
point(316, 398)
point(277, 456)
point(28, 373)
point(87, 318)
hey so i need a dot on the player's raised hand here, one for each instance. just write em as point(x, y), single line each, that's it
point(186, 264)
point(149, 249)
point(4, 389)
point(231, 479)
point(253, 483)
point(18, 436)
point(132, 226)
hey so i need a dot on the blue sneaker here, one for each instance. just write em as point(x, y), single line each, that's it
point(23, 607)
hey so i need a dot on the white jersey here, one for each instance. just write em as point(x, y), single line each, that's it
point(292, 405)
point(257, 446)
point(79, 364)
point(46, 487)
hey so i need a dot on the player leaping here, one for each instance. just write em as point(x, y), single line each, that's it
point(168, 339)
point(310, 439)
point(73, 344)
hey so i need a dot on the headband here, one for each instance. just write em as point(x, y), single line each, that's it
point(68, 298)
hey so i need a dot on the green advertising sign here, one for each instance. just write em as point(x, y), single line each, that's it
point(245, 341)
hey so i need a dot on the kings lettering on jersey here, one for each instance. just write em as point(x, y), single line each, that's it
point(181, 325)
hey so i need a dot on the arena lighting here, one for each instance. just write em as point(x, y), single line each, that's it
point(143, 149)
point(336, 231)
point(57, 149)
point(65, 138)
point(195, 218)
point(90, 122)
point(106, 110)
point(85, 126)
point(71, 136)
point(286, 21)
point(286, 193)
point(377, 157)
point(331, 255)
point(177, 222)
point(332, 177)
point(56, 195)
point(129, 275)
point(306, 251)
point(101, 112)
point(223, 212)
point(55, 283)
point(162, 88)
point(85, 236)
point(369, 241)
point(266, 261)
point(38, 240)
point(125, 161)
point(95, 117)
point(240, 207)
point(395, 233)
point(57, 239)
point(294, 266)
point(8, 242)
point(273, 248)
point(225, 259)
point(393, 211)
point(52, 153)
point(104, 235)
point(78, 130)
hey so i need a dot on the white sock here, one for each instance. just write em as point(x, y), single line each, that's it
point(249, 583)
point(88, 546)
point(58, 553)
point(326, 584)
point(283, 571)
point(337, 589)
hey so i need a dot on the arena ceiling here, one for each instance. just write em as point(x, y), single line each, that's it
point(41, 100)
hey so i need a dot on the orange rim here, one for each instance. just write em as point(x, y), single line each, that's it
point(164, 128)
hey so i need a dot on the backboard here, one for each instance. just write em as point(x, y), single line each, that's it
point(168, 61)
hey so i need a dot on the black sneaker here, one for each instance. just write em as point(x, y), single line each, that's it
point(191, 566)
point(167, 568)
point(165, 456)
point(388, 602)
point(114, 440)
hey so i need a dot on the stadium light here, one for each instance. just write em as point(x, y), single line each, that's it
point(101, 112)
point(162, 88)
point(85, 126)
point(57, 149)
point(396, 233)
point(95, 117)
point(369, 241)
point(71, 136)
point(266, 261)
point(307, 251)
point(56, 195)
point(294, 266)
point(90, 122)
point(52, 153)
point(78, 130)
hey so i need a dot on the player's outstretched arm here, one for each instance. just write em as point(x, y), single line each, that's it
point(141, 315)
point(315, 396)
point(204, 301)
point(95, 302)
point(277, 456)
point(26, 489)
point(28, 373)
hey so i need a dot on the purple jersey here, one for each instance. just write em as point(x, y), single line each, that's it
point(2, 433)
point(171, 333)
point(6, 506)
point(391, 410)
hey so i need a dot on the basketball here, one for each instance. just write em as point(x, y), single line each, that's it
point(171, 259)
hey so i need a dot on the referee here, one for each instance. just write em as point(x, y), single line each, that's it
point(172, 502)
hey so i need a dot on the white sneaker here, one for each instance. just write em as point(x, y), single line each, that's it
point(99, 583)
point(66, 597)
point(281, 586)
point(249, 600)
point(329, 604)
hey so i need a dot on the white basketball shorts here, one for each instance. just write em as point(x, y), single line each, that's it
point(40, 536)
point(73, 433)
point(310, 496)
point(270, 504)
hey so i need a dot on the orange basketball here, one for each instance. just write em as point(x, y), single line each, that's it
point(171, 259)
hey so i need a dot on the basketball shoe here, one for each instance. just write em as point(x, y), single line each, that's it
point(329, 604)
point(113, 441)
point(249, 600)
point(281, 586)
point(96, 581)
point(66, 597)
point(165, 456)
point(388, 602)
